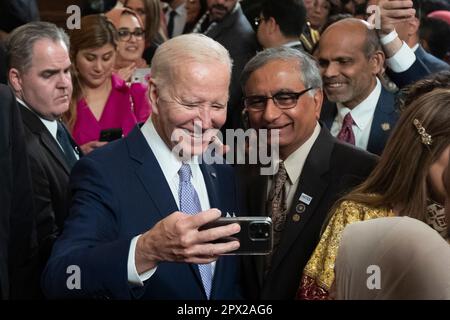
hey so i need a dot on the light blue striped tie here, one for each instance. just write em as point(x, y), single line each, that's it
point(190, 203)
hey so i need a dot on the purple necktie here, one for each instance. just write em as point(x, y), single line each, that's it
point(346, 134)
point(190, 204)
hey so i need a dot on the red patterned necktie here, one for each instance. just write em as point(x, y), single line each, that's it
point(346, 134)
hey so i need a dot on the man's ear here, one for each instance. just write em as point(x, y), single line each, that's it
point(15, 80)
point(154, 96)
point(376, 62)
point(272, 25)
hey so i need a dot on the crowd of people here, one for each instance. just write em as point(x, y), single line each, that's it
point(103, 130)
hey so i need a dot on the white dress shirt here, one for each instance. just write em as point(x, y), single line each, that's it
point(294, 165)
point(403, 59)
point(179, 20)
point(293, 44)
point(362, 115)
point(170, 165)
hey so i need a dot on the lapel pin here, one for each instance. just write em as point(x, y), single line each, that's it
point(305, 199)
point(385, 126)
point(214, 174)
point(296, 217)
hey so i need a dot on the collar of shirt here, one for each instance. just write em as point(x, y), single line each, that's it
point(52, 126)
point(415, 47)
point(180, 10)
point(362, 114)
point(296, 160)
point(292, 44)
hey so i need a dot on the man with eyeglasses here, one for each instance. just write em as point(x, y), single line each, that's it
point(138, 204)
point(283, 95)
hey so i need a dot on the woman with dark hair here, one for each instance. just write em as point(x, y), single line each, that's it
point(150, 13)
point(101, 100)
point(406, 182)
point(131, 42)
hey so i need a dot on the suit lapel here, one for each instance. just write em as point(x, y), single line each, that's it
point(35, 125)
point(210, 178)
point(384, 119)
point(150, 174)
point(328, 113)
point(313, 182)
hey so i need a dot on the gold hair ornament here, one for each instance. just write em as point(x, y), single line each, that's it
point(424, 136)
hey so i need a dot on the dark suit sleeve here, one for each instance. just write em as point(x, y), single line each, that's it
point(417, 71)
point(17, 229)
point(89, 241)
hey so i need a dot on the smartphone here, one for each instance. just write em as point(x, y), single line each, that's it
point(255, 237)
point(141, 75)
point(109, 135)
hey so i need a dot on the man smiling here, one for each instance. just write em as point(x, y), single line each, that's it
point(137, 207)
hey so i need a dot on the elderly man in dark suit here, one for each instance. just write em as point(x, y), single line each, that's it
point(16, 215)
point(226, 23)
point(138, 203)
point(283, 95)
point(39, 74)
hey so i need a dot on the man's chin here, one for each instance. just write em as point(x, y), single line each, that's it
point(218, 15)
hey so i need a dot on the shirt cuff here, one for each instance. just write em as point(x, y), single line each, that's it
point(402, 60)
point(133, 277)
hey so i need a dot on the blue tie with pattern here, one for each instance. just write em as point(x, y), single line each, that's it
point(190, 204)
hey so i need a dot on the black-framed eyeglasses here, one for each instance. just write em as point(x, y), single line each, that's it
point(283, 100)
point(125, 34)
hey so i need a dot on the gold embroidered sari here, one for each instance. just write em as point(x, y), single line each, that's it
point(318, 275)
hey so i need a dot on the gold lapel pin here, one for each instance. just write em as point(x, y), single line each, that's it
point(385, 126)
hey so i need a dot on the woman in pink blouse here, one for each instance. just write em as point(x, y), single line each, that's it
point(101, 100)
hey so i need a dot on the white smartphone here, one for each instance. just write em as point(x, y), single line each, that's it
point(141, 75)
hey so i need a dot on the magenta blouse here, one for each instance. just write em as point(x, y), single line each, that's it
point(126, 106)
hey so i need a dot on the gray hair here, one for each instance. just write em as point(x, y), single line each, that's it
point(309, 70)
point(182, 49)
point(20, 42)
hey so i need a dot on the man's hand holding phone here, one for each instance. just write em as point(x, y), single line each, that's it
point(178, 238)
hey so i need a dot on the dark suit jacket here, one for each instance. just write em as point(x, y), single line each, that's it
point(384, 120)
point(331, 169)
point(431, 62)
point(14, 13)
point(16, 204)
point(119, 191)
point(235, 33)
point(50, 178)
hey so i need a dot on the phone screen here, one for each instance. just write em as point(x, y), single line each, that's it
point(141, 75)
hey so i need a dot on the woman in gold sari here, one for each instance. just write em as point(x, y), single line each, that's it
point(406, 182)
